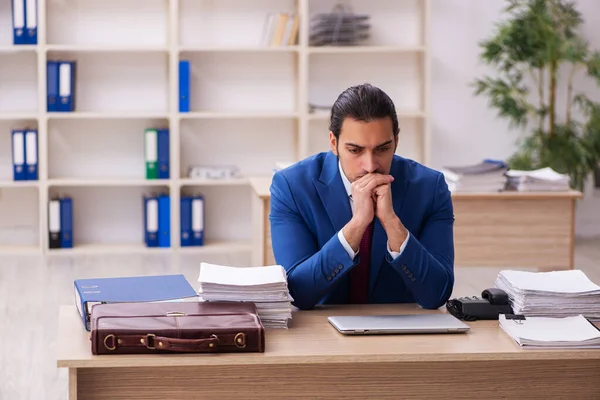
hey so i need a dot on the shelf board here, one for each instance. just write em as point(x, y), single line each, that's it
point(216, 246)
point(322, 115)
point(238, 115)
point(214, 182)
point(219, 246)
point(103, 249)
point(364, 49)
point(96, 182)
point(240, 49)
point(6, 184)
point(7, 49)
point(107, 115)
point(11, 116)
point(99, 48)
point(19, 249)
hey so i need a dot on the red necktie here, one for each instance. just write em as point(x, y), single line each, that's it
point(359, 276)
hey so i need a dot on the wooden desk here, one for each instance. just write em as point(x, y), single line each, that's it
point(508, 229)
point(312, 360)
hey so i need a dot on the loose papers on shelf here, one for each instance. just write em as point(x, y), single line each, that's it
point(545, 332)
point(264, 286)
point(551, 294)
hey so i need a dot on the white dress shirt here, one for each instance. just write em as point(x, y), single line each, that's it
point(343, 240)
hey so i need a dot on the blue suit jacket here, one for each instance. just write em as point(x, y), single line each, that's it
point(309, 206)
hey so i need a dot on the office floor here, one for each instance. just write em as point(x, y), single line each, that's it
point(31, 290)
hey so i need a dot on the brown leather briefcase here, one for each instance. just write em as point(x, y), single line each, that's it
point(182, 327)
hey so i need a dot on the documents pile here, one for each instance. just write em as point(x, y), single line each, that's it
point(551, 294)
point(340, 27)
point(545, 332)
point(264, 286)
point(486, 176)
point(539, 180)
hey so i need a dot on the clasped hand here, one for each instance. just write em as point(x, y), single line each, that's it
point(372, 196)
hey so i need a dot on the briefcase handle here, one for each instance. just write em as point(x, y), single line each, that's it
point(153, 342)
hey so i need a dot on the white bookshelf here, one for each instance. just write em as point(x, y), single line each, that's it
point(249, 108)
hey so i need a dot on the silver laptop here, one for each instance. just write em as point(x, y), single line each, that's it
point(397, 324)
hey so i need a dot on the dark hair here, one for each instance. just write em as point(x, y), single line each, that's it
point(363, 103)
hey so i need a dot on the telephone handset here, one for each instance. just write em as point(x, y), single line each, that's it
point(493, 301)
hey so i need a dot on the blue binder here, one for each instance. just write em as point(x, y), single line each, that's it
point(151, 221)
point(18, 155)
point(163, 154)
point(184, 86)
point(89, 292)
point(31, 22)
point(198, 221)
point(18, 22)
point(185, 223)
point(66, 222)
point(66, 86)
point(52, 85)
point(164, 221)
point(31, 154)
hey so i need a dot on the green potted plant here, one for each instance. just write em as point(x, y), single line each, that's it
point(537, 52)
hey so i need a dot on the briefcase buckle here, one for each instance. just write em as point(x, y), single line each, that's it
point(149, 341)
point(240, 340)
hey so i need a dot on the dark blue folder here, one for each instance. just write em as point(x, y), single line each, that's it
point(89, 292)
point(184, 86)
point(66, 222)
point(163, 155)
point(185, 223)
point(52, 85)
point(164, 220)
point(18, 22)
point(31, 154)
point(151, 221)
point(18, 155)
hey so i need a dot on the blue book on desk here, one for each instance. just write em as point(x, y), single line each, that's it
point(133, 289)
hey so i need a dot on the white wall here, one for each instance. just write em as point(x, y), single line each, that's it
point(464, 129)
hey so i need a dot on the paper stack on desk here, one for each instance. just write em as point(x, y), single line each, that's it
point(544, 332)
point(551, 294)
point(539, 180)
point(486, 176)
point(264, 286)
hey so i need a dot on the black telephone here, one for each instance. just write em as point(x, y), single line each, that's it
point(493, 301)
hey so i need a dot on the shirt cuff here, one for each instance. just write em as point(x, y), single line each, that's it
point(396, 254)
point(346, 245)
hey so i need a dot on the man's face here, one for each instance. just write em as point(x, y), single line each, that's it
point(365, 147)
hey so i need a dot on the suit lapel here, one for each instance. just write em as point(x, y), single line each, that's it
point(333, 194)
point(379, 244)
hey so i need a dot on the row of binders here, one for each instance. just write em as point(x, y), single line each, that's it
point(157, 220)
point(60, 222)
point(60, 82)
point(25, 154)
point(156, 150)
point(25, 22)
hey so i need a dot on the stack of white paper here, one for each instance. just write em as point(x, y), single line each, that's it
point(487, 176)
point(544, 332)
point(264, 286)
point(551, 294)
point(544, 179)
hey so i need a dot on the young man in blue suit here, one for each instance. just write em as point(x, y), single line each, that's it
point(360, 224)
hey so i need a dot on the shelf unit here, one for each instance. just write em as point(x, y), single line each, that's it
point(243, 114)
